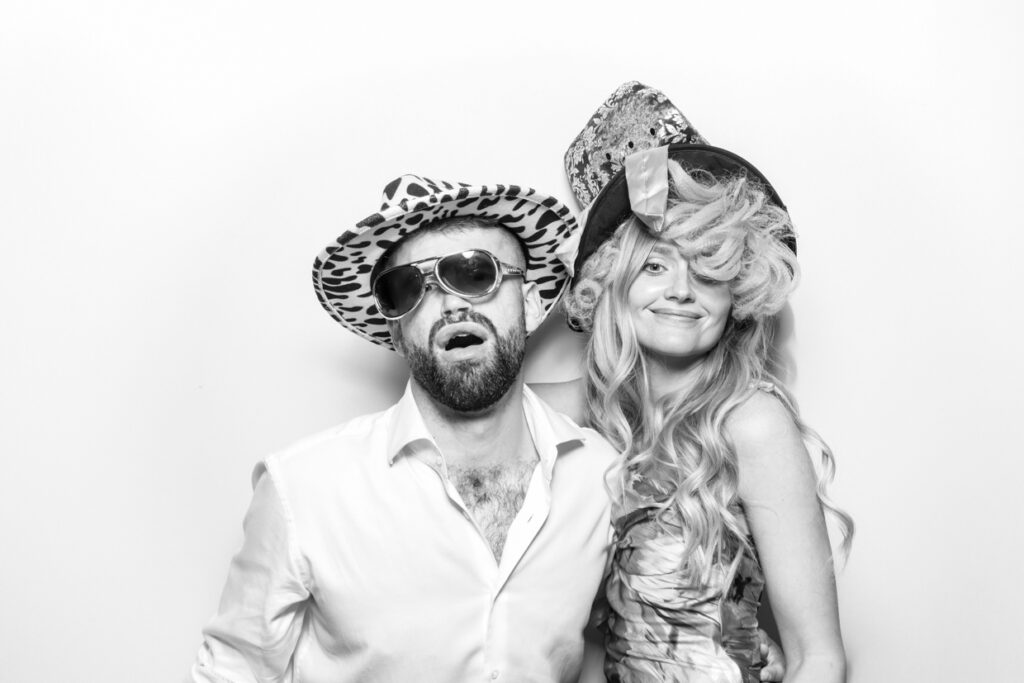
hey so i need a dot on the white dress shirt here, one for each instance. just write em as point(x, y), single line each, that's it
point(361, 563)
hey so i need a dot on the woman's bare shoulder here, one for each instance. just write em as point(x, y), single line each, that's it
point(762, 429)
point(565, 397)
point(769, 448)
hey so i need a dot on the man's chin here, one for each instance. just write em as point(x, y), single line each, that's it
point(472, 378)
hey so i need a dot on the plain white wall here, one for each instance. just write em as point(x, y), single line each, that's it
point(168, 171)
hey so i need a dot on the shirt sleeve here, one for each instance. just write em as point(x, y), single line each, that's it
point(253, 635)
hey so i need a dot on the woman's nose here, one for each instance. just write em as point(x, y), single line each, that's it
point(680, 287)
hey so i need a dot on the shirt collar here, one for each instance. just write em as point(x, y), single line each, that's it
point(407, 434)
point(552, 433)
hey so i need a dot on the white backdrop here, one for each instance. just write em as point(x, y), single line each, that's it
point(168, 171)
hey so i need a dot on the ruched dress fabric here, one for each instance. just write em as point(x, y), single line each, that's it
point(661, 629)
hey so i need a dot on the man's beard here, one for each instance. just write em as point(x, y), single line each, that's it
point(468, 386)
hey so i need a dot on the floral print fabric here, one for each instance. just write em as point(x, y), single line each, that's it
point(659, 628)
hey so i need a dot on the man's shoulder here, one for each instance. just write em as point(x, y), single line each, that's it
point(590, 442)
point(594, 447)
point(336, 449)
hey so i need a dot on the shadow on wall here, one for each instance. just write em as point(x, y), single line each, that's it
point(554, 353)
point(783, 364)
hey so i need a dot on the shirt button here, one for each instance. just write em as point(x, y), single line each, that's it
point(495, 674)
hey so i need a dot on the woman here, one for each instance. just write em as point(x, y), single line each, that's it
point(716, 495)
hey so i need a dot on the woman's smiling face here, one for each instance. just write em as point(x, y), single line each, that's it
point(678, 314)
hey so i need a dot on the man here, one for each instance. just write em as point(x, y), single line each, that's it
point(461, 534)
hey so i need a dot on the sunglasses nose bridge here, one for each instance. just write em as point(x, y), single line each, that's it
point(451, 299)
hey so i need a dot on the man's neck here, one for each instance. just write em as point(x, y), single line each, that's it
point(494, 436)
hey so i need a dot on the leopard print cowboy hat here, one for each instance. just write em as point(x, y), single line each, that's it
point(344, 271)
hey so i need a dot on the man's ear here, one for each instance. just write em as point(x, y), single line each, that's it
point(533, 310)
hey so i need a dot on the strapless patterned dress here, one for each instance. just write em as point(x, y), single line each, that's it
point(660, 629)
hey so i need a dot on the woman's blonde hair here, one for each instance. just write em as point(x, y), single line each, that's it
point(729, 231)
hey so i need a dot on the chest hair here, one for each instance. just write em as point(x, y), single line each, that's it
point(493, 496)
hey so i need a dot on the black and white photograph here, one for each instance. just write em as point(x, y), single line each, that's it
point(525, 342)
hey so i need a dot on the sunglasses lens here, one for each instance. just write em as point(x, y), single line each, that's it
point(398, 290)
point(472, 273)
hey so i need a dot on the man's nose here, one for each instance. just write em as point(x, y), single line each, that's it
point(453, 303)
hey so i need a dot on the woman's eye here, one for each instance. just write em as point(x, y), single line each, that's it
point(654, 267)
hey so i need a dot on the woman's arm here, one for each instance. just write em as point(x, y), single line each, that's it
point(777, 485)
point(565, 397)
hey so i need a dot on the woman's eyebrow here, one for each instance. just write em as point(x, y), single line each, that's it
point(668, 250)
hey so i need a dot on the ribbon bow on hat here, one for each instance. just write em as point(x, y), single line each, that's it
point(647, 180)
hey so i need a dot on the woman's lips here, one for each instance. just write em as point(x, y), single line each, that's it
point(676, 314)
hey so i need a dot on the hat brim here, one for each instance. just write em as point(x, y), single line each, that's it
point(344, 271)
point(611, 206)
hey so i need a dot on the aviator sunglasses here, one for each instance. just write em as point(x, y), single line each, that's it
point(473, 273)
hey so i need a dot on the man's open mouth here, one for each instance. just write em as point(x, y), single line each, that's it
point(462, 340)
point(461, 335)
